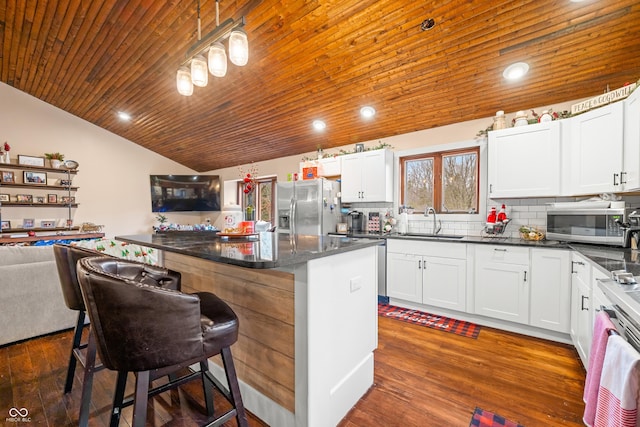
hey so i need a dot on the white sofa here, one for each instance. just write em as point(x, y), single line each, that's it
point(31, 302)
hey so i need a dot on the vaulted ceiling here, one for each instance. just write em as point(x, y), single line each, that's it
point(313, 59)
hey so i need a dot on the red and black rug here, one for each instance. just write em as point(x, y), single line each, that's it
point(459, 327)
point(482, 418)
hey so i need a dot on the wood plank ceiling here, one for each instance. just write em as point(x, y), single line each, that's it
point(310, 59)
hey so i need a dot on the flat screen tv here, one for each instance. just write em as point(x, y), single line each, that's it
point(185, 193)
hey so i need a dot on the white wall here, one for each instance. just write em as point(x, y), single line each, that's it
point(113, 175)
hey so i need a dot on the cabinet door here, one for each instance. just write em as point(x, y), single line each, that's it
point(329, 166)
point(515, 157)
point(444, 282)
point(631, 158)
point(502, 291)
point(404, 276)
point(550, 289)
point(351, 178)
point(581, 324)
point(377, 176)
point(595, 154)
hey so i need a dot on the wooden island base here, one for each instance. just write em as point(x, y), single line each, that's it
point(307, 332)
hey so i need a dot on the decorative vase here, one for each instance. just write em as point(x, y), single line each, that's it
point(249, 210)
point(4, 157)
point(55, 163)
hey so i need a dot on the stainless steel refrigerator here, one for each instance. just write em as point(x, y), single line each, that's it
point(308, 207)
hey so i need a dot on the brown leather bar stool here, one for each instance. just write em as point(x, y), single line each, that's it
point(66, 257)
point(154, 332)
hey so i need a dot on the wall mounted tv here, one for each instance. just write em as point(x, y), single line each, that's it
point(185, 193)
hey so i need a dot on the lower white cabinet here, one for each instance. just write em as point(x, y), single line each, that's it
point(581, 318)
point(502, 279)
point(550, 289)
point(416, 274)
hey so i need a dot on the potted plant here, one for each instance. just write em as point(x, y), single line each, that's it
point(55, 159)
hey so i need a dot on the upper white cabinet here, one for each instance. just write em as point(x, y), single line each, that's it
point(517, 156)
point(593, 144)
point(367, 176)
point(502, 279)
point(631, 160)
point(550, 289)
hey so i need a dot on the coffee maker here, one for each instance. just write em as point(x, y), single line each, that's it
point(355, 222)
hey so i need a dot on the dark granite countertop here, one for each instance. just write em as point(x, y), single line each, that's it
point(265, 250)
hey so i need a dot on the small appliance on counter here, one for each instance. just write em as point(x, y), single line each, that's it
point(604, 226)
point(355, 222)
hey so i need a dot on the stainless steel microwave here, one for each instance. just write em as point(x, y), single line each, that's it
point(600, 226)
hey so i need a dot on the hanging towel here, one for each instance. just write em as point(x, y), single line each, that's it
point(601, 329)
point(618, 394)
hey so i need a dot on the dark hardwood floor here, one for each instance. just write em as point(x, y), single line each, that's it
point(423, 377)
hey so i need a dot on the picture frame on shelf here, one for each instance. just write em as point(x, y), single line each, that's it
point(24, 198)
point(28, 223)
point(30, 160)
point(47, 224)
point(37, 178)
point(69, 223)
point(5, 198)
point(359, 148)
point(5, 225)
point(39, 199)
point(64, 182)
point(52, 198)
point(68, 199)
point(7, 177)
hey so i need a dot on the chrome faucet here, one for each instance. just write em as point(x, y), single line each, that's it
point(437, 225)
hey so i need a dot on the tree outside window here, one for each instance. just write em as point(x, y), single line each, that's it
point(446, 181)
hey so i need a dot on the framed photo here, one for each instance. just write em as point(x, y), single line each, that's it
point(5, 198)
point(68, 199)
point(28, 223)
point(24, 198)
point(5, 225)
point(359, 148)
point(39, 199)
point(65, 182)
point(30, 160)
point(69, 223)
point(39, 178)
point(7, 177)
point(47, 224)
point(52, 198)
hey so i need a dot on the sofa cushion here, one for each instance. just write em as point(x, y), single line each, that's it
point(12, 255)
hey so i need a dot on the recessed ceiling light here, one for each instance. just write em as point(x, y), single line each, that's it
point(319, 125)
point(515, 71)
point(367, 112)
point(124, 116)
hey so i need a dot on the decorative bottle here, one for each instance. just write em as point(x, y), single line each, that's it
point(502, 215)
point(491, 219)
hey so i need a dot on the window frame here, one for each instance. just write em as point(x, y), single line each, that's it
point(437, 157)
point(267, 180)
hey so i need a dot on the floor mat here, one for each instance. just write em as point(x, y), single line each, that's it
point(459, 327)
point(482, 418)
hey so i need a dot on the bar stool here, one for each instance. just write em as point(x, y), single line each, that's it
point(66, 257)
point(153, 332)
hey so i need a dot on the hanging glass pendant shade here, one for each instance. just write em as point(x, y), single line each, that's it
point(183, 81)
point(217, 60)
point(199, 72)
point(238, 47)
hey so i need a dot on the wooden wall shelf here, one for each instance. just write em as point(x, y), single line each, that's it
point(40, 205)
point(36, 168)
point(38, 186)
point(6, 239)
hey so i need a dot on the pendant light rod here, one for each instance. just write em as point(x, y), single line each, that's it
point(218, 34)
point(199, 25)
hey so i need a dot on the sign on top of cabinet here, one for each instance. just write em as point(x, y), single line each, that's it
point(367, 176)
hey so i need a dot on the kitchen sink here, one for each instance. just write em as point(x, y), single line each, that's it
point(434, 236)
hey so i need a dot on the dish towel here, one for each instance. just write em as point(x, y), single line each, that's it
point(601, 329)
point(618, 394)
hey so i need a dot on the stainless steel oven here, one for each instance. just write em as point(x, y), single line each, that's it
point(601, 226)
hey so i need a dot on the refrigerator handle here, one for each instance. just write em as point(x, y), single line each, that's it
point(292, 213)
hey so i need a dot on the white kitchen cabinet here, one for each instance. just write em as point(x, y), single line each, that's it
point(550, 289)
point(581, 318)
point(431, 273)
point(594, 144)
point(501, 278)
point(367, 176)
point(631, 160)
point(524, 161)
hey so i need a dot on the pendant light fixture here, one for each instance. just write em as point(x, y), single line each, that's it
point(195, 69)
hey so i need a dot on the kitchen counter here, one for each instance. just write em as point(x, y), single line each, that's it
point(299, 363)
point(266, 250)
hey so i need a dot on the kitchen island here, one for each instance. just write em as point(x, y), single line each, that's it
point(307, 307)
